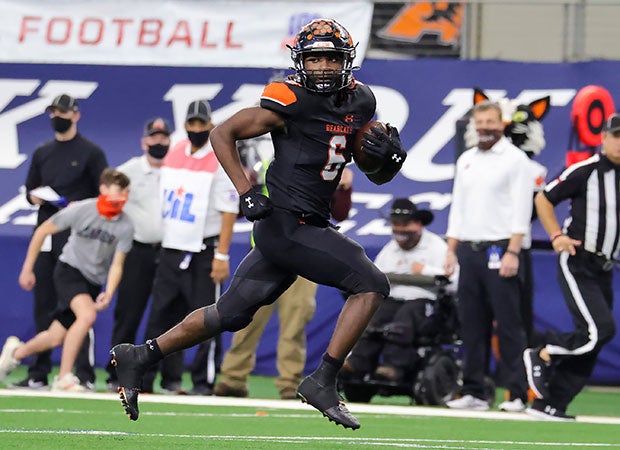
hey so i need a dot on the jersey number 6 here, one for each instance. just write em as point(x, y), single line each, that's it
point(335, 158)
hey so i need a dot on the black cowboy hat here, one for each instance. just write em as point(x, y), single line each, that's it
point(405, 209)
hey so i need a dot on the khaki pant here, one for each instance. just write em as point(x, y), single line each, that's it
point(295, 309)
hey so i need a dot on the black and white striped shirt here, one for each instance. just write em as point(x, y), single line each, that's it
point(593, 186)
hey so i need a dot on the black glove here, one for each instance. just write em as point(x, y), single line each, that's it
point(255, 206)
point(385, 146)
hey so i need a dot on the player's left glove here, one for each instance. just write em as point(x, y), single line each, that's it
point(255, 206)
point(386, 146)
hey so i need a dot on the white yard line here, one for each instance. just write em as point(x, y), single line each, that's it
point(298, 406)
point(396, 442)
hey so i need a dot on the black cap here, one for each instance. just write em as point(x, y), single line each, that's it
point(199, 109)
point(613, 123)
point(64, 103)
point(157, 125)
point(405, 209)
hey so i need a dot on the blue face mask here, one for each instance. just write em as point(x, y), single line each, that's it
point(198, 138)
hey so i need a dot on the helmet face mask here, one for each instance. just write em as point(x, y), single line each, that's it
point(320, 38)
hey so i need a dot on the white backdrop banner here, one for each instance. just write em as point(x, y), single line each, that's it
point(170, 33)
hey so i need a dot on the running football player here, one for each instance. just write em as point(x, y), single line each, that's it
point(313, 117)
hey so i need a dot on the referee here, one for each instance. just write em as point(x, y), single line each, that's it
point(587, 246)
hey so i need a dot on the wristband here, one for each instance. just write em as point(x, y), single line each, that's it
point(221, 256)
point(556, 235)
point(510, 252)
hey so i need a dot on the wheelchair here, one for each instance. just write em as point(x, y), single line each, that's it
point(435, 377)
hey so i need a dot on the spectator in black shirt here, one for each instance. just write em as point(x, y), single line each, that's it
point(70, 165)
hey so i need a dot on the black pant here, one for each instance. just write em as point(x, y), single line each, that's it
point(45, 302)
point(134, 291)
point(588, 293)
point(484, 296)
point(176, 292)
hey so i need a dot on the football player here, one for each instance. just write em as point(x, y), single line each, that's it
point(312, 117)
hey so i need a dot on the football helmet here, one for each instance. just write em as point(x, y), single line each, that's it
point(323, 36)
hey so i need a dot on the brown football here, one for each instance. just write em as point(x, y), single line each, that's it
point(367, 163)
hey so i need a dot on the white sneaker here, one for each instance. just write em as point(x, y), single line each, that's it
point(515, 405)
point(468, 402)
point(7, 362)
point(68, 383)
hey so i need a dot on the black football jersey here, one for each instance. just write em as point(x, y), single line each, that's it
point(316, 144)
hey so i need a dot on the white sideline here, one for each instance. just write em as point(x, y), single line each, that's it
point(297, 405)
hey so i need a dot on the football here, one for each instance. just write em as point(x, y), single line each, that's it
point(367, 163)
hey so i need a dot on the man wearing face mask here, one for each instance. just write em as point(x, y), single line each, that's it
point(200, 206)
point(490, 213)
point(144, 209)
point(413, 250)
point(71, 165)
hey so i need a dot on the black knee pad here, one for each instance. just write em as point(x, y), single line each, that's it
point(377, 281)
point(212, 320)
point(235, 323)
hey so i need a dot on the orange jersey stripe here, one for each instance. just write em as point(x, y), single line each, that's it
point(279, 93)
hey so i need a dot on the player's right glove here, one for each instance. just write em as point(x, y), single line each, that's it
point(255, 206)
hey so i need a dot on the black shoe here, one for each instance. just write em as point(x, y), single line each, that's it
point(536, 369)
point(545, 411)
point(200, 389)
point(29, 383)
point(174, 388)
point(129, 373)
point(327, 401)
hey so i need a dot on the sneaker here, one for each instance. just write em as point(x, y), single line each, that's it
point(89, 386)
point(327, 401)
point(515, 405)
point(200, 389)
point(29, 383)
point(544, 411)
point(129, 373)
point(536, 369)
point(111, 386)
point(224, 390)
point(468, 402)
point(68, 383)
point(7, 362)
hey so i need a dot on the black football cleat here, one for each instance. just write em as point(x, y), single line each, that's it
point(536, 370)
point(327, 401)
point(129, 373)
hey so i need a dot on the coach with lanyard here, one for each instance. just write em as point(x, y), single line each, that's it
point(490, 213)
point(587, 246)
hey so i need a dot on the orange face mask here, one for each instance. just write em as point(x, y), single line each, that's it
point(111, 206)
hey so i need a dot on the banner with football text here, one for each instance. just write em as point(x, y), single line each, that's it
point(170, 33)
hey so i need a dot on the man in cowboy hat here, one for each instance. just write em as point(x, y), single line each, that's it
point(413, 250)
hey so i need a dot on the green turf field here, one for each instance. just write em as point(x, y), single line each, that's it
point(42, 421)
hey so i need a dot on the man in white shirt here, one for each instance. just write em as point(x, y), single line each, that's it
point(490, 214)
point(200, 206)
point(413, 250)
point(144, 209)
